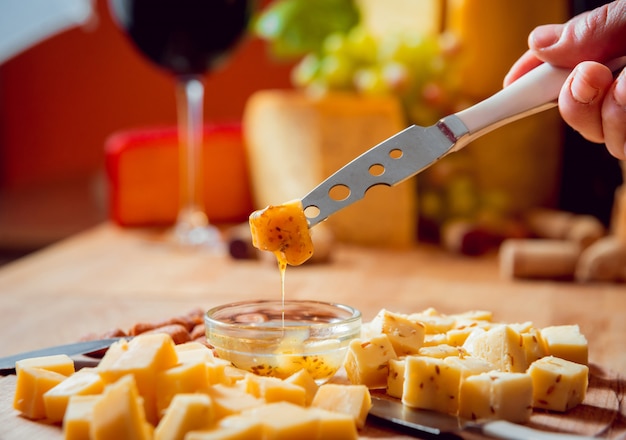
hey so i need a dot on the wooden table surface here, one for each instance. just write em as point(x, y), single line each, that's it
point(109, 278)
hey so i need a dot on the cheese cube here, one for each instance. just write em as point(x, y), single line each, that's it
point(185, 378)
point(59, 363)
point(32, 384)
point(432, 339)
point(273, 389)
point(83, 382)
point(187, 412)
point(354, 400)
point(496, 395)
point(239, 428)
point(284, 420)
point(433, 383)
point(193, 352)
point(334, 425)
point(566, 342)
point(406, 335)
point(502, 346)
point(534, 346)
point(143, 357)
point(304, 379)
point(78, 417)
point(558, 384)
point(441, 351)
point(119, 413)
point(228, 400)
point(395, 379)
point(367, 361)
point(433, 321)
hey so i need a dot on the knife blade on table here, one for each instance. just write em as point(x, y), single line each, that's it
point(7, 364)
point(416, 148)
point(431, 424)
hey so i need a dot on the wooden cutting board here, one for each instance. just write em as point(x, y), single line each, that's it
point(601, 414)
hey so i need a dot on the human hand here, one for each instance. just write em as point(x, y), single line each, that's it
point(591, 101)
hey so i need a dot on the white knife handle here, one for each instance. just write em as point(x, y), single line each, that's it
point(511, 431)
point(534, 92)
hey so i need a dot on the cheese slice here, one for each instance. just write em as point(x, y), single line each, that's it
point(187, 412)
point(558, 384)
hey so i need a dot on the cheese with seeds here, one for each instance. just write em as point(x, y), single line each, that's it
point(566, 342)
point(354, 400)
point(558, 384)
point(367, 361)
point(406, 335)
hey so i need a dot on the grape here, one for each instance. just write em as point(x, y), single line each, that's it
point(305, 71)
point(396, 76)
point(370, 81)
point(362, 45)
point(336, 72)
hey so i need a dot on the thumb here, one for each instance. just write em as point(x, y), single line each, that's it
point(597, 35)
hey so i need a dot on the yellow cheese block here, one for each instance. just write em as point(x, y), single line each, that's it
point(335, 425)
point(395, 379)
point(496, 395)
point(406, 335)
point(143, 357)
point(59, 363)
point(187, 412)
point(501, 345)
point(433, 321)
point(567, 342)
point(285, 421)
point(424, 17)
point(295, 141)
point(354, 400)
point(239, 428)
point(192, 352)
point(273, 389)
point(78, 417)
point(534, 346)
point(119, 413)
point(228, 400)
point(32, 384)
point(440, 351)
point(366, 362)
point(305, 380)
point(184, 378)
point(558, 384)
point(83, 382)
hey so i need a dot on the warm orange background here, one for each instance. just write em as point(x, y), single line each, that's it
point(61, 99)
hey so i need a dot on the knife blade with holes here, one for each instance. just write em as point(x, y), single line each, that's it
point(416, 148)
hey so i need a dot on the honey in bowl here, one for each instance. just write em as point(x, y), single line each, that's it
point(276, 338)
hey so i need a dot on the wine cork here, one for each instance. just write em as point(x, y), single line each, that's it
point(585, 230)
point(605, 260)
point(538, 258)
point(549, 223)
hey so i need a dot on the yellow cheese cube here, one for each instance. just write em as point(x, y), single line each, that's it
point(228, 400)
point(441, 351)
point(496, 395)
point(193, 352)
point(231, 375)
point(433, 321)
point(432, 339)
point(85, 381)
point(534, 346)
point(78, 417)
point(284, 420)
point(558, 384)
point(433, 383)
point(59, 363)
point(502, 346)
point(184, 378)
point(273, 389)
point(395, 379)
point(119, 413)
point(566, 342)
point(366, 362)
point(335, 425)
point(143, 357)
point(32, 384)
point(477, 316)
point(304, 379)
point(354, 400)
point(115, 351)
point(187, 412)
point(406, 335)
point(239, 428)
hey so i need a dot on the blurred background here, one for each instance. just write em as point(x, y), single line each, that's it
point(61, 99)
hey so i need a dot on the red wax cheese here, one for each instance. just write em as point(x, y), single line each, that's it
point(142, 170)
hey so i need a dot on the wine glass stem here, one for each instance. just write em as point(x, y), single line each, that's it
point(190, 96)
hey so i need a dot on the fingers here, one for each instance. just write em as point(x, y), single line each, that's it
point(593, 105)
point(524, 64)
point(614, 117)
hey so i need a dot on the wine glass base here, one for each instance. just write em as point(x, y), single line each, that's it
point(206, 237)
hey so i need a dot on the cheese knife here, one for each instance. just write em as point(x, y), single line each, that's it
point(431, 424)
point(7, 364)
point(416, 148)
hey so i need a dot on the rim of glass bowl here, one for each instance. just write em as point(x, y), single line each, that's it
point(345, 326)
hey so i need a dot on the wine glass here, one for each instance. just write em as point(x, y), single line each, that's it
point(186, 38)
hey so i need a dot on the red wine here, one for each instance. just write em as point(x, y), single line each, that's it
point(186, 37)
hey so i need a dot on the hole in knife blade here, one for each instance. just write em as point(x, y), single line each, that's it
point(339, 192)
point(311, 212)
point(377, 169)
point(396, 153)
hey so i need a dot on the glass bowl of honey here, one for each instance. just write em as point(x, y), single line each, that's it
point(276, 338)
